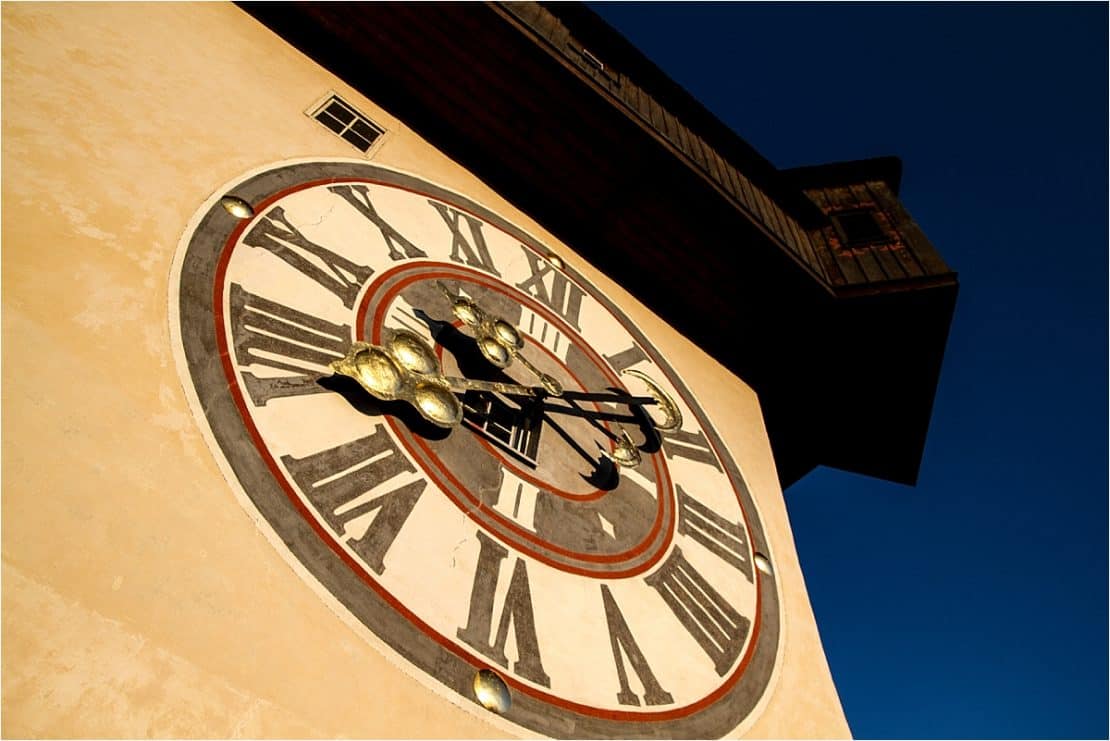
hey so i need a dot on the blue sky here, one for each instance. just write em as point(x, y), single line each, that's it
point(973, 605)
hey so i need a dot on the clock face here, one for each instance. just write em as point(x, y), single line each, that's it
point(612, 599)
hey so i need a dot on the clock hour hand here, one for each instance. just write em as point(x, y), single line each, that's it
point(406, 368)
point(498, 340)
point(515, 389)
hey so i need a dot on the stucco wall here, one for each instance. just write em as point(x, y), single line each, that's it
point(139, 599)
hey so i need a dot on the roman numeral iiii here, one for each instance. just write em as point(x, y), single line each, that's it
point(717, 627)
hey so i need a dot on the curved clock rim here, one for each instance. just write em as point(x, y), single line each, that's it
point(198, 258)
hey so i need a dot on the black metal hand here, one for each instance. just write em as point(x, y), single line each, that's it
point(604, 474)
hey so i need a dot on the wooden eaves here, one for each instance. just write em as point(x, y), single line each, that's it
point(554, 109)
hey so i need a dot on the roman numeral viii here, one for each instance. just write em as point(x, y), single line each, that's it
point(717, 627)
point(558, 293)
point(270, 334)
point(347, 483)
point(517, 610)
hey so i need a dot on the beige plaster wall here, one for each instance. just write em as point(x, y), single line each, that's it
point(138, 598)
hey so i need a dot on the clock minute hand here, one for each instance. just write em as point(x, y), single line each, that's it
point(509, 389)
point(458, 383)
point(672, 415)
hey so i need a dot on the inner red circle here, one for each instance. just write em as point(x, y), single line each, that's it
point(511, 463)
point(644, 551)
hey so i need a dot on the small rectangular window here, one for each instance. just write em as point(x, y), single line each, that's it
point(344, 120)
point(858, 227)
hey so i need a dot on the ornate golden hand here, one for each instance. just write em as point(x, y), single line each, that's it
point(405, 368)
point(498, 340)
point(672, 415)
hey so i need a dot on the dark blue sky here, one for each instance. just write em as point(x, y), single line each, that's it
point(975, 604)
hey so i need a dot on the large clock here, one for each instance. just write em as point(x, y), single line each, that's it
point(476, 452)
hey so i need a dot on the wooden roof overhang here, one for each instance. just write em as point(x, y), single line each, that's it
point(559, 113)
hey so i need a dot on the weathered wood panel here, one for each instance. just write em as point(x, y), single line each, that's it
point(923, 251)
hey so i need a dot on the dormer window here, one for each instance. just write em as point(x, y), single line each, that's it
point(858, 227)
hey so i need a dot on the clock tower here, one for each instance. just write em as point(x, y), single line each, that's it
point(438, 375)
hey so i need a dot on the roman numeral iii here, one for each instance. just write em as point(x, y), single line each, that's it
point(729, 540)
